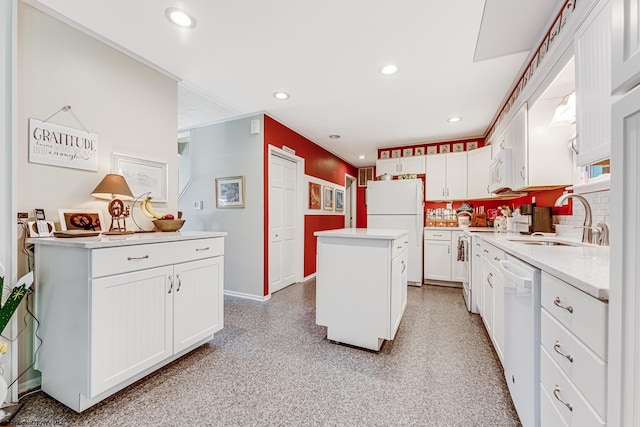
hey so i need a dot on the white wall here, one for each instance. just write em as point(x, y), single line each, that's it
point(131, 107)
point(224, 150)
point(599, 202)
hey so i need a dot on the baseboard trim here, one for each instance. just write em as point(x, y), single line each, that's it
point(247, 296)
point(29, 385)
point(309, 277)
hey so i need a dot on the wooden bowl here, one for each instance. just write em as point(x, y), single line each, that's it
point(168, 224)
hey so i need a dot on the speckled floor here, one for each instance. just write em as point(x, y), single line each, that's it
point(273, 366)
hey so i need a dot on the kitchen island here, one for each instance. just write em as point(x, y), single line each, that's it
point(361, 284)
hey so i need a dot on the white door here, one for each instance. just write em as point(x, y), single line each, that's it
point(435, 177)
point(437, 259)
point(282, 222)
point(349, 202)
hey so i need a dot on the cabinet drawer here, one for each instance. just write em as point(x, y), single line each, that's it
point(583, 315)
point(493, 254)
point(549, 414)
point(399, 245)
point(587, 371)
point(437, 234)
point(124, 259)
point(556, 384)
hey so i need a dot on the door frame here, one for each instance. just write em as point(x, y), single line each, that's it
point(299, 220)
point(351, 198)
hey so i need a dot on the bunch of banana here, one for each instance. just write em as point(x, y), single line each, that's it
point(147, 209)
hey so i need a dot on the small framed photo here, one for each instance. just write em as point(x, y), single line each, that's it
point(339, 200)
point(384, 154)
point(407, 152)
point(328, 198)
point(230, 192)
point(432, 149)
point(143, 176)
point(445, 148)
point(315, 196)
point(395, 154)
point(419, 151)
point(458, 147)
point(81, 219)
point(472, 145)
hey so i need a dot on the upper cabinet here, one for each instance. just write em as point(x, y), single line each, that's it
point(446, 177)
point(478, 162)
point(516, 138)
point(593, 93)
point(626, 45)
point(401, 166)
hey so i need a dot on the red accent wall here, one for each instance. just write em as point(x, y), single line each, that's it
point(319, 163)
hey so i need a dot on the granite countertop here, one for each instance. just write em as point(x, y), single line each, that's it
point(107, 241)
point(585, 267)
point(363, 233)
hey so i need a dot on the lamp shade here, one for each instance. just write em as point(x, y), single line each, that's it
point(113, 186)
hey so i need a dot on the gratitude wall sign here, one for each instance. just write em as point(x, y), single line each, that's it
point(56, 145)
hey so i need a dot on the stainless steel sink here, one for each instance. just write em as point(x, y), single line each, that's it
point(544, 242)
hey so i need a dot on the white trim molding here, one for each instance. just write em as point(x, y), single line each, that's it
point(247, 296)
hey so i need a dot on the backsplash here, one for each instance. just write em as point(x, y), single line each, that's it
point(599, 202)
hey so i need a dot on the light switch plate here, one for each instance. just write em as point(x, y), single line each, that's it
point(197, 205)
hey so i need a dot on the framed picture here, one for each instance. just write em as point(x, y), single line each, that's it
point(328, 198)
point(143, 176)
point(395, 154)
point(432, 149)
point(407, 152)
point(384, 154)
point(315, 196)
point(81, 219)
point(230, 192)
point(472, 145)
point(419, 151)
point(458, 147)
point(445, 148)
point(339, 200)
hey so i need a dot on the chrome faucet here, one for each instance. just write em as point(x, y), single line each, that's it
point(587, 229)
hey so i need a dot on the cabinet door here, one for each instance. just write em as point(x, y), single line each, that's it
point(435, 177)
point(498, 314)
point(626, 44)
point(458, 268)
point(456, 176)
point(476, 275)
point(388, 166)
point(412, 165)
point(487, 295)
point(593, 92)
point(516, 137)
point(437, 259)
point(478, 162)
point(198, 301)
point(131, 325)
point(398, 291)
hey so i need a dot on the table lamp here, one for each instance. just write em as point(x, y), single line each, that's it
point(115, 188)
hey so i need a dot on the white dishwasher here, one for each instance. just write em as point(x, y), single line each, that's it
point(522, 337)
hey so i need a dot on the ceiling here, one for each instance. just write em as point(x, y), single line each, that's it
point(454, 58)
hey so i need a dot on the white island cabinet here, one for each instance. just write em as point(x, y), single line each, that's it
point(361, 284)
point(113, 309)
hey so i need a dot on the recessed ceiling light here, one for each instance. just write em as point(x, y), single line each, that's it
point(454, 119)
point(361, 156)
point(281, 95)
point(334, 136)
point(389, 69)
point(180, 17)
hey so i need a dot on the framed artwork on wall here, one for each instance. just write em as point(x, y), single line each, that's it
point(445, 148)
point(395, 154)
point(419, 151)
point(230, 192)
point(384, 154)
point(315, 196)
point(339, 200)
point(143, 176)
point(472, 145)
point(458, 147)
point(432, 149)
point(407, 152)
point(81, 219)
point(328, 198)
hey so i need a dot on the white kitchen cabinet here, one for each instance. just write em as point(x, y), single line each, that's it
point(478, 162)
point(476, 275)
point(493, 297)
point(365, 308)
point(401, 166)
point(488, 274)
point(446, 176)
point(125, 308)
point(516, 138)
point(593, 87)
point(626, 45)
point(440, 256)
point(573, 365)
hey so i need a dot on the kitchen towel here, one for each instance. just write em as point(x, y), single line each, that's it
point(460, 249)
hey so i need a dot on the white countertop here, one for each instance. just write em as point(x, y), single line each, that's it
point(106, 241)
point(363, 233)
point(584, 267)
point(471, 229)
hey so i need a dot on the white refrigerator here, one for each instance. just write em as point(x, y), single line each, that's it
point(398, 204)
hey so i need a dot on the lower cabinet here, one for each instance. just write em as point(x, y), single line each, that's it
point(493, 297)
point(102, 333)
point(441, 256)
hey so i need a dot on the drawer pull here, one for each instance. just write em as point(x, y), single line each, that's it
point(131, 258)
point(497, 258)
point(485, 251)
point(437, 235)
point(399, 247)
point(179, 282)
point(170, 284)
point(557, 303)
point(556, 347)
point(489, 277)
point(207, 248)
point(404, 267)
point(556, 394)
